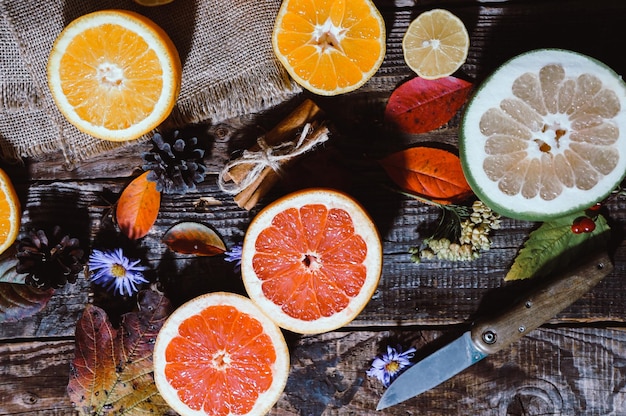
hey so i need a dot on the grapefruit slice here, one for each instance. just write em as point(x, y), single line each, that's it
point(312, 260)
point(219, 354)
point(545, 135)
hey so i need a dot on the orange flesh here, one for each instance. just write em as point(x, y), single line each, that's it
point(10, 214)
point(531, 155)
point(310, 261)
point(221, 361)
point(5, 217)
point(328, 43)
point(111, 88)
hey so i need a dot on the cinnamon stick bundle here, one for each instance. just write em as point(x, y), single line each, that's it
point(252, 176)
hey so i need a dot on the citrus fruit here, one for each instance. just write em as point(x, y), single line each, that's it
point(10, 212)
point(311, 260)
point(153, 2)
point(329, 47)
point(219, 354)
point(114, 74)
point(545, 135)
point(435, 44)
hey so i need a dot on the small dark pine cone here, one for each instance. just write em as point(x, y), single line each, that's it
point(51, 261)
point(176, 168)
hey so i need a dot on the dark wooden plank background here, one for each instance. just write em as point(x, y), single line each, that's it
point(574, 365)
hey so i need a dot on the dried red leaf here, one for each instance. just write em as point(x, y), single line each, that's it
point(19, 301)
point(138, 207)
point(422, 105)
point(432, 173)
point(8, 267)
point(194, 238)
point(112, 368)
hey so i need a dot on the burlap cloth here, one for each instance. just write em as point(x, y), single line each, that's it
point(229, 68)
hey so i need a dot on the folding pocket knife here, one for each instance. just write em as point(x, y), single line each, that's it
point(489, 336)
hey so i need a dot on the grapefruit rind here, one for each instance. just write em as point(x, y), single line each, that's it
point(169, 330)
point(154, 36)
point(497, 87)
point(364, 226)
point(286, 8)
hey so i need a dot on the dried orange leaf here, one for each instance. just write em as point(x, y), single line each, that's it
point(194, 238)
point(112, 369)
point(428, 172)
point(138, 207)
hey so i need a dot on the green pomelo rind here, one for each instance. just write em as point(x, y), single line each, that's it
point(489, 94)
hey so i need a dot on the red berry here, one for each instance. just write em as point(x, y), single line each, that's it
point(595, 208)
point(588, 225)
point(576, 229)
point(583, 225)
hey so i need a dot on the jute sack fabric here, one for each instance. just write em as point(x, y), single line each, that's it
point(229, 69)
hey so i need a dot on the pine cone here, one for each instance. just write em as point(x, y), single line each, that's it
point(175, 168)
point(50, 261)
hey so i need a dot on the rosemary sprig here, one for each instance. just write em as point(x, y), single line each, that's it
point(452, 216)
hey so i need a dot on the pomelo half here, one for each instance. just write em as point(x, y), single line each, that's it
point(545, 135)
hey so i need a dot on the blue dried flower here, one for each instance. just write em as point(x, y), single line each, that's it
point(234, 255)
point(386, 367)
point(114, 271)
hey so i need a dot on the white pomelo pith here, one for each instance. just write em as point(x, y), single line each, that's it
point(545, 135)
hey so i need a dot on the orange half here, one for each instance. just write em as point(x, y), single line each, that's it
point(114, 74)
point(329, 47)
point(10, 212)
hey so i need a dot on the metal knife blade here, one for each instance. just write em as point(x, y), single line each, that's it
point(440, 366)
point(491, 335)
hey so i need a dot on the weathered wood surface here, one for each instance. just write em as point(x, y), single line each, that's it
point(564, 372)
point(576, 366)
point(432, 293)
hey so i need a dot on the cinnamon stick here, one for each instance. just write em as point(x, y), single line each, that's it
point(249, 197)
point(286, 130)
point(305, 120)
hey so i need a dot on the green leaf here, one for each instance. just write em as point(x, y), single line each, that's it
point(554, 245)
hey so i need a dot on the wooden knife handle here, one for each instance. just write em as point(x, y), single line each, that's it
point(540, 305)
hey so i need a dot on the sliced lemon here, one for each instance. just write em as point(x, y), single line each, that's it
point(435, 44)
